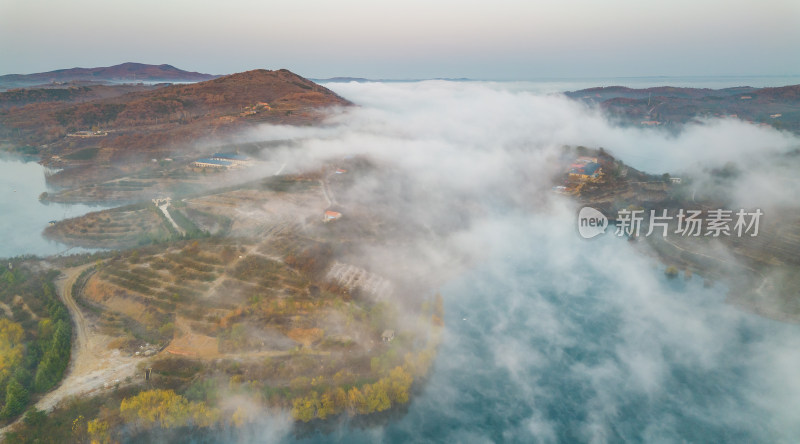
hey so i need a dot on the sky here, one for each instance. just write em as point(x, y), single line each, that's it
point(500, 40)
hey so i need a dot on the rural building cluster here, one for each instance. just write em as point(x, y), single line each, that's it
point(223, 160)
point(85, 134)
point(585, 168)
point(258, 107)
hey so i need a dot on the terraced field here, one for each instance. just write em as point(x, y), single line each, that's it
point(268, 308)
point(117, 228)
point(151, 181)
point(219, 288)
point(259, 212)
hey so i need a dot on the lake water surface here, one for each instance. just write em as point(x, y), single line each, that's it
point(22, 216)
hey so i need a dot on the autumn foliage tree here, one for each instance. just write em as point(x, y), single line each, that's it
point(370, 398)
point(98, 431)
point(11, 353)
point(166, 409)
point(305, 408)
point(11, 347)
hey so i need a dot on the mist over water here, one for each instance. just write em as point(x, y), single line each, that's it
point(550, 337)
point(557, 339)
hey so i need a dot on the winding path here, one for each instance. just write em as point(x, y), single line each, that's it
point(163, 209)
point(64, 289)
point(81, 327)
point(326, 190)
point(92, 365)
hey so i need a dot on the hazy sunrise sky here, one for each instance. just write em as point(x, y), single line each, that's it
point(503, 39)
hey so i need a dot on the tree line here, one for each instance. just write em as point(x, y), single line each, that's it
point(35, 340)
point(381, 395)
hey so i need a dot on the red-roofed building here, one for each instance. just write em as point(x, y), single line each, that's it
point(331, 216)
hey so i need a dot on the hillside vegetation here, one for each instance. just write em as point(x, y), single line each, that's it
point(672, 107)
point(167, 118)
point(35, 336)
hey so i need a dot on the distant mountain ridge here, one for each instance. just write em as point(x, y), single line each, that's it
point(672, 107)
point(365, 80)
point(129, 72)
point(609, 92)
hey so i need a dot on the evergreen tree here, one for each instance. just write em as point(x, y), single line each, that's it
point(16, 399)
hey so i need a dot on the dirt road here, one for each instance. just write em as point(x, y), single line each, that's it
point(326, 190)
point(93, 365)
point(81, 327)
point(164, 210)
point(81, 375)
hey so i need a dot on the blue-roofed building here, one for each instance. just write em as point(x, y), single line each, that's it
point(590, 170)
point(212, 163)
point(234, 158)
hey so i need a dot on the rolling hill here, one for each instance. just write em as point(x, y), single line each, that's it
point(168, 117)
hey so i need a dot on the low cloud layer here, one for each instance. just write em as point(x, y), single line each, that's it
point(551, 337)
point(473, 134)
